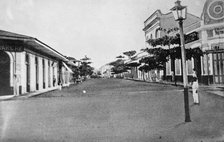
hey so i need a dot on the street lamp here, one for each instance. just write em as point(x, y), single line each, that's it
point(180, 14)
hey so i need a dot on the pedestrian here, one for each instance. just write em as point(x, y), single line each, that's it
point(59, 83)
point(195, 87)
point(54, 80)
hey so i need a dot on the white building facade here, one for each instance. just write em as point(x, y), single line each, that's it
point(28, 65)
point(212, 29)
point(157, 26)
point(105, 70)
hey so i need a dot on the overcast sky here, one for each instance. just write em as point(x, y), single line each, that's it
point(100, 29)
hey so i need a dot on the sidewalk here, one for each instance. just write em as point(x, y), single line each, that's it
point(27, 95)
point(212, 88)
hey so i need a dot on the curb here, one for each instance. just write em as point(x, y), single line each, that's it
point(160, 82)
point(178, 84)
point(215, 89)
point(5, 98)
point(27, 95)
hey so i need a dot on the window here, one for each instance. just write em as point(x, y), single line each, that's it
point(168, 67)
point(219, 31)
point(157, 34)
point(147, 38)
point(210, 33)
point(204, 64)
point(189, 67)
point(178, 66)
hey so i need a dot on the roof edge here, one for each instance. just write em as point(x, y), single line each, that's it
point(158, 10)
point(47, 46)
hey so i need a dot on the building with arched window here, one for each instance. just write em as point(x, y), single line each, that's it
point(159, 25)
point(212, 30)
point(209, 32)
point(29, 65)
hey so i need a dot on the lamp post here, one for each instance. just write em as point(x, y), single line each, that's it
point(180, 14)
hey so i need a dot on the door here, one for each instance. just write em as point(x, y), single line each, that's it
point(4, 74)
point(37, 73)
point(197, 66)
point(218, 68)
point(27, 73)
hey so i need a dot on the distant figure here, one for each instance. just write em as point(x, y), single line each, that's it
point(195, 87)
point(59, 83)
point(54, 81)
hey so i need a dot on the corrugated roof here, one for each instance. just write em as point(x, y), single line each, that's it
point(15, 35)
point(168, 21)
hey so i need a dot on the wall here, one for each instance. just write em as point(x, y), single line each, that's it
point(36, 80)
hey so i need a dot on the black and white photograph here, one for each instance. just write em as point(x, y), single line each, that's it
point(112, 71)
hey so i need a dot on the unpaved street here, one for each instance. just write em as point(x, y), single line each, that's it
point(111, 110)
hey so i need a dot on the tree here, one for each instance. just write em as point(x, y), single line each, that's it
point(74, 68)
point(161, 55)
point(76, 72)
point(118, 66)
point(119, 57)
point(98, 73)
point(129, 53)
point(85, 68)
point(155, 61)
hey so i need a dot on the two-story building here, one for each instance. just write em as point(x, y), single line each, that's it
point(212, 41)
point(159, 25)
point(210, 31)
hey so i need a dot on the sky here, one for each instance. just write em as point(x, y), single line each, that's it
point(98, 29)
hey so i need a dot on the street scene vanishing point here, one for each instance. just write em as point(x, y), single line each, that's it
point(63, 84)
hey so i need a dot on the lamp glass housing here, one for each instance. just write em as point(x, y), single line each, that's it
point(179, 11)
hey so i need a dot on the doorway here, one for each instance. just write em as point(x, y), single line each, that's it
point(5, 88)
point(27, 73)
point(197, 66)
point(218, 68)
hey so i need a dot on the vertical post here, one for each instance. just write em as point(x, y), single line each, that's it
point(15, 75)
point(185, 79)
point(60, 74)
point(16, 85)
